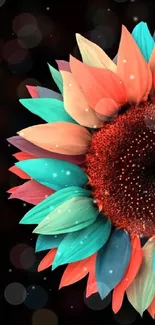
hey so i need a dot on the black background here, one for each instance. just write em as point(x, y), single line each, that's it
point(58, 22)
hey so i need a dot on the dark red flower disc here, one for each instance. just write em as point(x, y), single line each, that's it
point(121, 166)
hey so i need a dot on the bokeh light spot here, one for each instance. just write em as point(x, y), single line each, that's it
point(44, 316)
point(22, 256)
point(15, 293)
point(13, 53)
point(37, 297)
point(95, 302)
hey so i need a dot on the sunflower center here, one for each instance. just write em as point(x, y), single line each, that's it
point(121, 167)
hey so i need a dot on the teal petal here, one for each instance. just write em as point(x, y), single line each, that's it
point(44, 208)
point(154, 262)
point(84, 243)
point(53, 173)
point(74, 214)
point(144, 40)
point(49, 109)
point(112, 262)
point(56, 75)
point(44, 243)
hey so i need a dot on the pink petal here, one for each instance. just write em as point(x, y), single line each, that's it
point(133, 69)
point(31, 192)
point(13, 189)
point(63, 65)
point(30, 148)
point(19, 172)
point(33, 91)
point(61, 137)
point(98, 83)
point(76, 104)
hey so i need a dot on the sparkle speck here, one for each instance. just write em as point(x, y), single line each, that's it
point(68, 172)
point(55, 175)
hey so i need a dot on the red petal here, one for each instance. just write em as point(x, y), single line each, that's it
point(151, 308)
point(91, 283)
point(131, 272)
point(23, 156)
point(47, 260)
point(133, 69)
point(31, 192)
point(76, 271)
point(33, 91)
point(19, 172)
point(98, 83)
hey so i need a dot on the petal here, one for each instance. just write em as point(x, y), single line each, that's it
point(23, 156)
point(75, 214)
point(30, 148)
point(63, 65)
point(61, 137)
point(151, 308)
point(48, 93)
point(49, 109)
point(98, 83)
point(76, 271)
point(112, 262)
point(44, 243)
point(133, 69)
point(76, 104)
point(56, 75)
point(43, 209)
point(47, 260)
point(152, 61)
point(13, 189)
point(17, 171)
point(84, 243)
point(91, 282)
point(53, 173)
point(130, 274)
point(144, 39)
point(142, 290)
point(31, 192)
point(93, 55)
point(33, 91)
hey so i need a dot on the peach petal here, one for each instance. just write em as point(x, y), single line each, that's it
point(60, 137)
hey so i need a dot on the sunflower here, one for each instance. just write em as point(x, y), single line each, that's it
point(91, 170)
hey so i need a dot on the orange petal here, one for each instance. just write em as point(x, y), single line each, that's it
point(60, 137)
point(133, 69)
point(47, 260)
point(76, 104)
point(23, 156)
point(107, 107)
point(93, 55)
point(131, 272)
point(151, 308)
point(91, 282)
point(33, 91)
point(98, 83)
point(74, 272)
point(19, 172)
point(152, 61)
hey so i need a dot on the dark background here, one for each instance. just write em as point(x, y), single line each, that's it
point(48, 34)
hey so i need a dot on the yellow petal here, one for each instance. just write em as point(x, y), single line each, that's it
point(93, 55)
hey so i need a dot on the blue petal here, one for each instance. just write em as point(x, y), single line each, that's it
point(47, 206)
point(48, 93)
point(49, 109)
point(81, 244)
point(48, 242)
point(56, 75)
point(144, 40)
point(112, 261)
point(53, 173)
